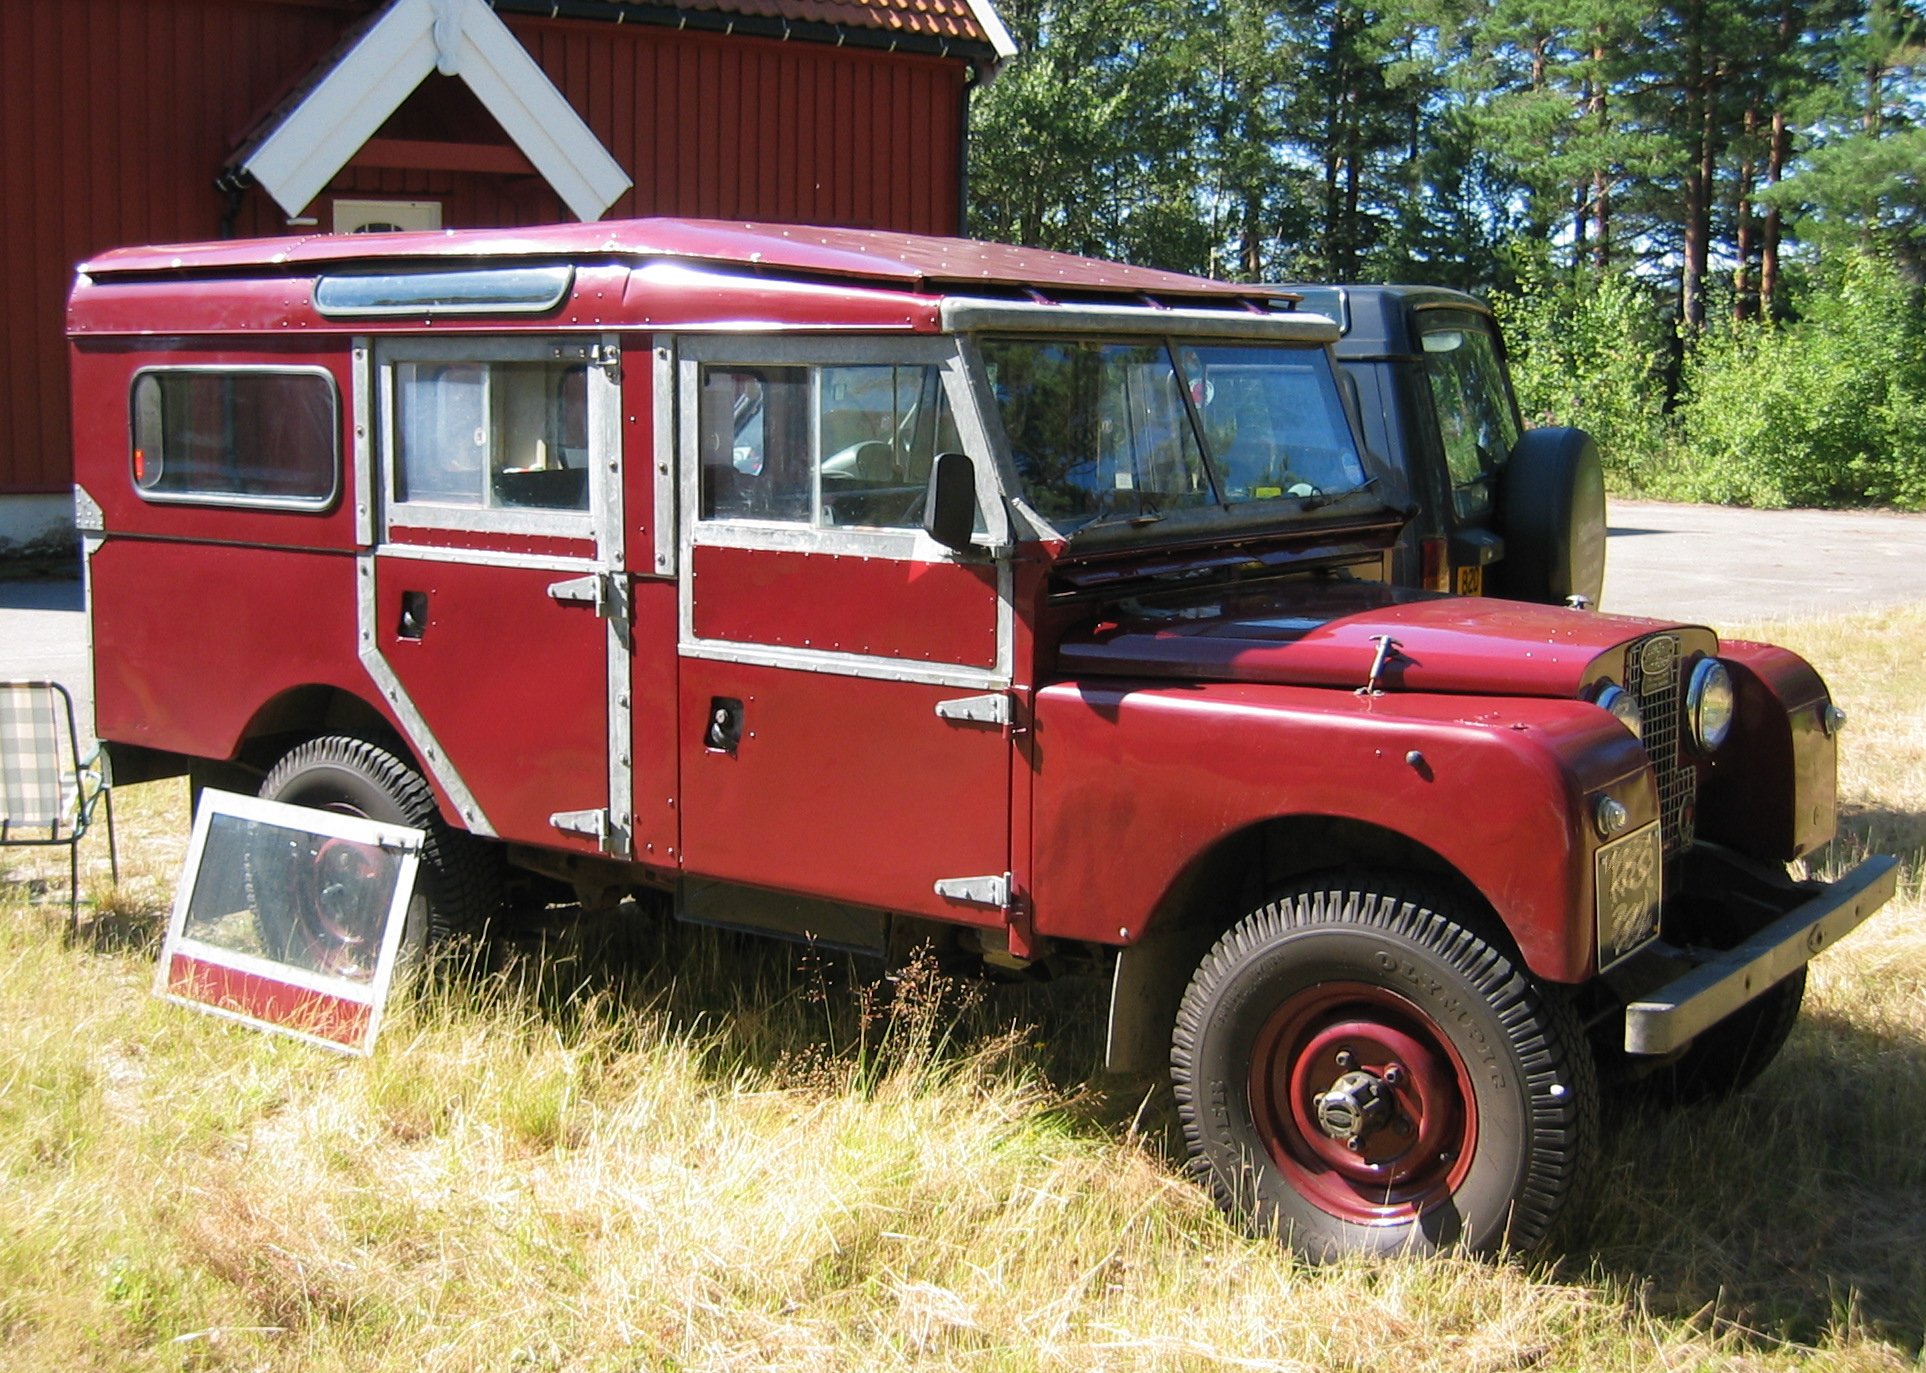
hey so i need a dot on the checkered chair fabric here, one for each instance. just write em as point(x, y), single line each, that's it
point(48, 787)
point(39, 781)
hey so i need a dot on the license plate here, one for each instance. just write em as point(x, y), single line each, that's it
point(1631, 882)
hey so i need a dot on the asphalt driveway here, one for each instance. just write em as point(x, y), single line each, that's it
point(1717, 565)
point(1707, 564)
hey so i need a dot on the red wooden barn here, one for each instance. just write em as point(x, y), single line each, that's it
point(155, 121)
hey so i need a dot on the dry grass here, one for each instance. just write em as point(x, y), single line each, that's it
point(654, 1148)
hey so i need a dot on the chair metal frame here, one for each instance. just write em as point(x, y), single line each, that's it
point(51, 791)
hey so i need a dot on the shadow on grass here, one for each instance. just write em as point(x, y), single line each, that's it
point(1878, 829)
point(1796, 1206)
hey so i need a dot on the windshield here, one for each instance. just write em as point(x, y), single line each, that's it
point(1105, 432)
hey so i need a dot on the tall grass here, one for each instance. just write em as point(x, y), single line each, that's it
point(626, 1145)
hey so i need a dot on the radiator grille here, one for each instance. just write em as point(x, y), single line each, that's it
point(1652, 676)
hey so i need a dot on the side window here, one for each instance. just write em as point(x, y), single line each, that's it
point(236, 436)
point(1473, 404)
point(829, 447)
point(491, 435)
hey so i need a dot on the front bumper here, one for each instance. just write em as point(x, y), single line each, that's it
point(1669, 1017)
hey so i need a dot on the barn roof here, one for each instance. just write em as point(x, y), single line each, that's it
point(957, 21)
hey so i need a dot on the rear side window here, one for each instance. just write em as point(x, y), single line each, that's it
point(237, 436)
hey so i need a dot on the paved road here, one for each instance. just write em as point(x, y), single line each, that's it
point(1717, 565)
point(1707, 564)
point(43, 634)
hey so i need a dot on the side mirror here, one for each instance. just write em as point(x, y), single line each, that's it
point(949, 508)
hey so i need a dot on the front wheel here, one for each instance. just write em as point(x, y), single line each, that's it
point(1357, 1071)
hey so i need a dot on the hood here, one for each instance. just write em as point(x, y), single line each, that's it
point(1322, 633)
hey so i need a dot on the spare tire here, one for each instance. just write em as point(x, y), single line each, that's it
point(1552, 502)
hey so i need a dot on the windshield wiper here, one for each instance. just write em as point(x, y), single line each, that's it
point(1142, 517)
point(1321, 499)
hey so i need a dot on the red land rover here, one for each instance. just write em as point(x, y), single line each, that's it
point(876, 588)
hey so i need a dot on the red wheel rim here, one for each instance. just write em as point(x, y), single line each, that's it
point(338, 938)
point(1422, 1131)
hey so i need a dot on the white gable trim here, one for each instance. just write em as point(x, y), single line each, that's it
point(412, 38)
point(992, 26)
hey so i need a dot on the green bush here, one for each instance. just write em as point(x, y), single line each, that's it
point(1591, 354)
point(1827, 411)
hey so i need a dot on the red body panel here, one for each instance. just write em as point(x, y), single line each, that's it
point(192, 640)
point(1319, 633)
point(655, 758)
point(849, 788)
point(545, 545)
point(336, 1018)
point(1134, 783)
point(513, 683)
point(880, 607)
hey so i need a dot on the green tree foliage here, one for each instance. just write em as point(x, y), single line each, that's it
point(1830, 410)
point(1592, 355)
point(1673, 196)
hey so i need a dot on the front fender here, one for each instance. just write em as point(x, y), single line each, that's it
point(1772, 791)
point(1137, 784)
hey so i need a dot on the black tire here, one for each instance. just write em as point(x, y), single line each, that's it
point(1483, 1139)
point(1728, 1057)
point(455, 890)
point(1552, 495)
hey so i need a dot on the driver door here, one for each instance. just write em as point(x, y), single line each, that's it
point(844, 679)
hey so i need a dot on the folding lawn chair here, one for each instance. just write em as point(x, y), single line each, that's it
point(48, 789)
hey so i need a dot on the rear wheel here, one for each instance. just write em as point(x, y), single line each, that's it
point(1359, 1072)
point(453, 891)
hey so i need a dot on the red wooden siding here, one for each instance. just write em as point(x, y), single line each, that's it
point(117, 115)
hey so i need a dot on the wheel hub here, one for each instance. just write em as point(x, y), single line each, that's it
point(1355, 1107)
point(1362, 1102)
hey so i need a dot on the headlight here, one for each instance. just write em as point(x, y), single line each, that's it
point(1623, 707)
point(1708, 704)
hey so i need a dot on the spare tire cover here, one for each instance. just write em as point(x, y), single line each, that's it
point(1553, 507)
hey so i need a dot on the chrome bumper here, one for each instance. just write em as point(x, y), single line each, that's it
point(1674, 1014)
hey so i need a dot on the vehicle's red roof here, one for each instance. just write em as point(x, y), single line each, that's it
point(911, 261)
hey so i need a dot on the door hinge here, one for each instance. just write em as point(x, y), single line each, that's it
point(598, 825)
point(993, 892)
point(606, 591)
point(992, 708)
point(608, 357)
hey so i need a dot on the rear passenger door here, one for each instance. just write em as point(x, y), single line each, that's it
point(492, 609)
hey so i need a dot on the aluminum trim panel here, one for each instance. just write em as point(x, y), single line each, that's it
point(362, 383)
point(605, 422)
point(662, 457)
point(976, 316)
point(843, 664)
point(483, 557)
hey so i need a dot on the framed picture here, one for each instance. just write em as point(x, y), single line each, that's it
point(290, 919)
